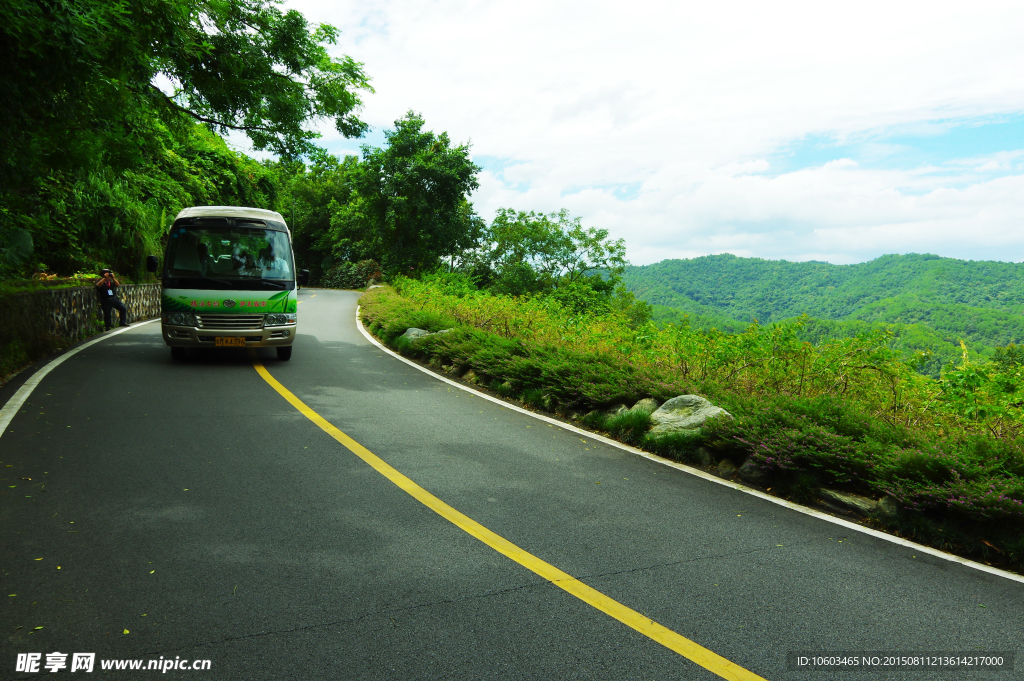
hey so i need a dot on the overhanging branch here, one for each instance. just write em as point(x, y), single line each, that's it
point(203, 119)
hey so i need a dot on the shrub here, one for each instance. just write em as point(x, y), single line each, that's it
point(971, 478)
point(789, 446)
point(630, 426)
point(455, 284)
point(676, 446)
point(349, 275)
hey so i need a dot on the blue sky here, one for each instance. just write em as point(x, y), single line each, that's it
point(939, 143)
point(795, 129)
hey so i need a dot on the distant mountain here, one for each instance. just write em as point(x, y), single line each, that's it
point(935, 301)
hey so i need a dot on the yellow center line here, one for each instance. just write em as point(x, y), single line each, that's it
point(705, 658)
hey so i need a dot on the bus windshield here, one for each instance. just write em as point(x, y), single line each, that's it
point(236, 257)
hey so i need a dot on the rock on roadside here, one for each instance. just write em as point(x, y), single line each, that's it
point(684, 414)
point(754, 474)
point(852, 502)
point(726, 468)
point(888, 509)
point(615, 410)
point(648, 404)
point(415, 334)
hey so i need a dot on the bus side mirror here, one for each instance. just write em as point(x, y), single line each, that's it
point(152, 262)
point(303, 277)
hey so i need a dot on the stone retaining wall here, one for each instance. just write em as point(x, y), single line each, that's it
point(36, 323)
point(70, 312)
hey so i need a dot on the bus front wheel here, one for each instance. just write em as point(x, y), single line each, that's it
point(284, 352)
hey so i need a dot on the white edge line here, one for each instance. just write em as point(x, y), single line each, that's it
point(706, 476)
point(18, 399)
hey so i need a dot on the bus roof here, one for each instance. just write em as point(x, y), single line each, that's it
point(229, 212)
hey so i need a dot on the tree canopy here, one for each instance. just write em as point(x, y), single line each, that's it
point(101, 90)
point(526, 252)
point(410, 200)
point(97, 72)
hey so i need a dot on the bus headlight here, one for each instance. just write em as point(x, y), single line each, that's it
point(180, 319)
point(279, 319)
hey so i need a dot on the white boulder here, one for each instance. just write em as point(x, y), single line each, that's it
point(684, 414)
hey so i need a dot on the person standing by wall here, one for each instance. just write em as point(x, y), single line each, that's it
point(106, 288)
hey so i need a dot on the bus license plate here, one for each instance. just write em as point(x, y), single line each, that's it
point(230, 341)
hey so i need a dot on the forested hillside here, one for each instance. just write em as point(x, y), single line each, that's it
point(931, 303)
point(769, 290)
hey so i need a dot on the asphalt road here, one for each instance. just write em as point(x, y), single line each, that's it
point(187, 511)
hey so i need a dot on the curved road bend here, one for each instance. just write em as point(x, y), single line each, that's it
point(190, 505)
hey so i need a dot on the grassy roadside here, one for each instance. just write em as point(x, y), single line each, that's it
point(848, 415)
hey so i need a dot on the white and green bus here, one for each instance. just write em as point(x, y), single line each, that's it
point(229, 280)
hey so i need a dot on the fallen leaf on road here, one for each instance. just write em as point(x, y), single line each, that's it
point(126, 631)
point(37, 629)
point(29, 479)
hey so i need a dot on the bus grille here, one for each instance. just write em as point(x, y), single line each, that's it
point(230, 322)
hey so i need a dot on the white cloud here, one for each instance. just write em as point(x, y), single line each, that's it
point(684, 106)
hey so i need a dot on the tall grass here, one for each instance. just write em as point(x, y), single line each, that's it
point(761, 362)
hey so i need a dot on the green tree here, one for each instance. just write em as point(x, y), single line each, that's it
point(410, 203)
point(533, 252)
point(87, 68)
point(85, 110)
point(310, 195)
point(103, 217)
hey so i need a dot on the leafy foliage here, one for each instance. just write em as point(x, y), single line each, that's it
point(524, 253)
point(350, 275)
point(408, 205)
point(309, 196)
point(96, 156)
point(82, 73)
point(89, 219)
